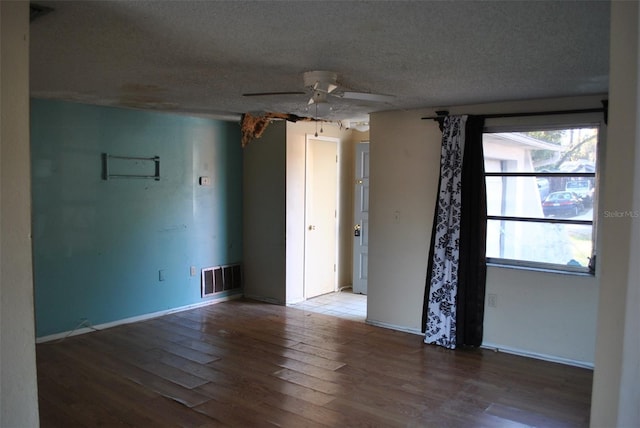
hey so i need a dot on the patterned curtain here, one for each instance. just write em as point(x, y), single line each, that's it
point(454, 293)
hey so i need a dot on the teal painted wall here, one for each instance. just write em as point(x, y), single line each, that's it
point(99, 245)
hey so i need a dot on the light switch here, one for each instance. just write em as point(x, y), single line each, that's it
point(396, 217)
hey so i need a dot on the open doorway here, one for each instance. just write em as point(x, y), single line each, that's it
point(341, 301)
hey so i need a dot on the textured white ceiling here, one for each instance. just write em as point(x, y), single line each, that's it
point(200, 57)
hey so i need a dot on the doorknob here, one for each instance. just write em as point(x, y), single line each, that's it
point(356, 230)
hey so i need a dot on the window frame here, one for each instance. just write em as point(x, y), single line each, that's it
point(554, 125)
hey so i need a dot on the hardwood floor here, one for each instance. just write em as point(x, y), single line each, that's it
point(244, 364)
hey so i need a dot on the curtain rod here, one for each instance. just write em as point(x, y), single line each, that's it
point(441, 114)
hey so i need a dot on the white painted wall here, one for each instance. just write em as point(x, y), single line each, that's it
point(296, 158)
point(616, 391)
point(405, 153)
point(346, 195)
point(18, 386)
point(404, 163)
point(544, 314)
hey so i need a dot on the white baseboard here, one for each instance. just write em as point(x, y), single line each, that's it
point(78, 331)
point(497, 348)
point(536, 355)
point(394, 327)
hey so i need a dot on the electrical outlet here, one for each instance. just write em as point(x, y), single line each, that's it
point(492, 300)
point(193, 271)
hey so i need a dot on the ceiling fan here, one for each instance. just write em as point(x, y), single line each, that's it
point(320, 85)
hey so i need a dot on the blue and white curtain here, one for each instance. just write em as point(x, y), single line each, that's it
point(454, 292)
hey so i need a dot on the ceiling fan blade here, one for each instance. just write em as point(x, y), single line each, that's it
point(365, 96)
point(263, 94)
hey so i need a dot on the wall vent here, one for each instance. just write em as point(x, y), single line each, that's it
point(221, 278)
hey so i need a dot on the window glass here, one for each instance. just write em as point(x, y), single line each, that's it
point(532, 197)
point(540, 193)
point(561, 244)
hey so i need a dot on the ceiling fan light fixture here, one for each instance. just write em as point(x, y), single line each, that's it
point(322, 110)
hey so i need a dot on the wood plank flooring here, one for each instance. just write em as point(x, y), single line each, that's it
point(248, 364)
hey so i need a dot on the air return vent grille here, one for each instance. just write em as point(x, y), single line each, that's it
point(221, 278)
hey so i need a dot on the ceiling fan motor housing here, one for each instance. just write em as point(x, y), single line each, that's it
point(323, 81)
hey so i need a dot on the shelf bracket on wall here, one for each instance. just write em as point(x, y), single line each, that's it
point(130, 167)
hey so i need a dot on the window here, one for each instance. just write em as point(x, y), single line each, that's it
point(541, 187)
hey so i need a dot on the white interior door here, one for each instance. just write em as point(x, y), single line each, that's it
point(361, 219)
point(321, 201)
